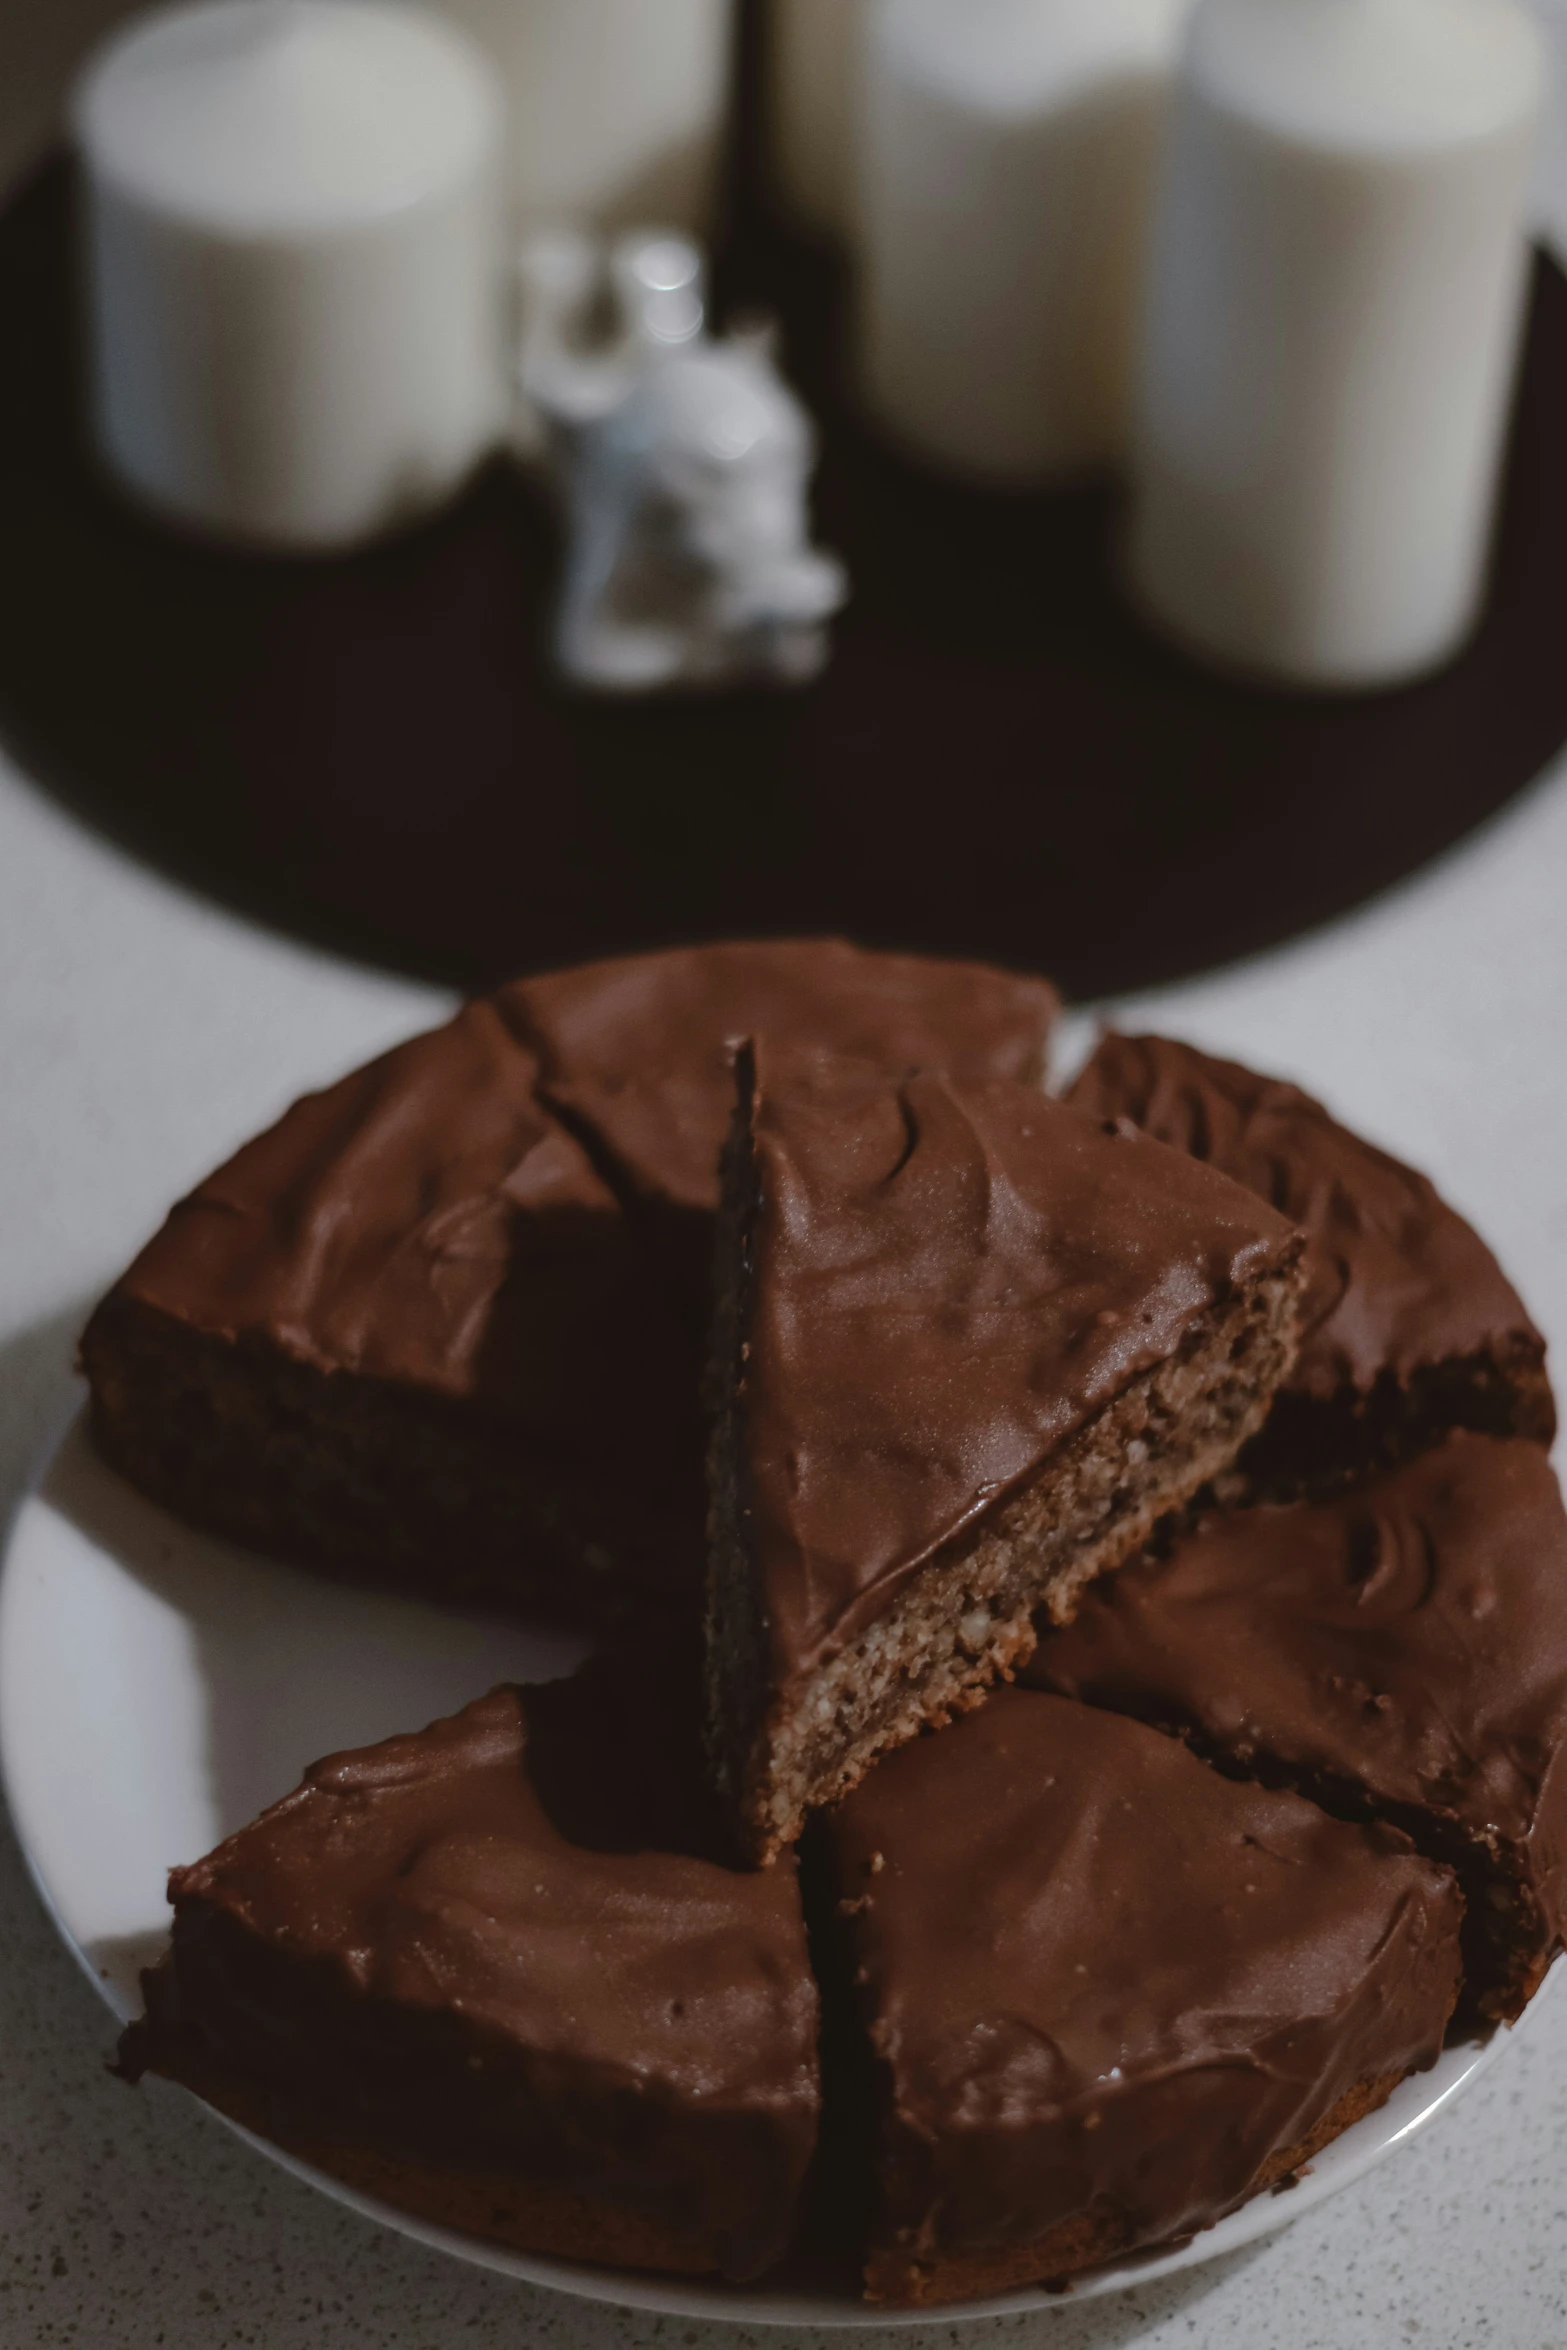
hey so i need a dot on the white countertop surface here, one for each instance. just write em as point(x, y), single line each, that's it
point(142, 1035)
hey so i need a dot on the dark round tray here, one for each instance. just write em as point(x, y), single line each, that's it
point(371, 752)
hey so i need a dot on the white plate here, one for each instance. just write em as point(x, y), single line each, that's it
point(157, 1689)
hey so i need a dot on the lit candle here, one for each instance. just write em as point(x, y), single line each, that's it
point(813, 80)
point(1006, 152)
point(297, 265)
point(617, 106)
point(1333, 319)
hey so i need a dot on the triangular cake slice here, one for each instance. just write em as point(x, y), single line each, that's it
point(495, 1973)
point(1409, 1325)
point(971, 1346)
point(406, 1335)
point(442, 1325)
point(1398, 1652)
point(1107, 1994)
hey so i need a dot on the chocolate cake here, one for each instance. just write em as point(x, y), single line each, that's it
point(1409, 1327)
point(1399, 1652)
point(493, 1973)
point(1109, 1993)
point(972, 1345)
point(442, 1325)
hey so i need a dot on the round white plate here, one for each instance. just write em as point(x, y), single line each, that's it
point(157, 1690)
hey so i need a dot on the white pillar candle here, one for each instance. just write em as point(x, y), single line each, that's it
point(617, 106)
point(813, 79)
point(1332, 324)
point(297, 265)
point(1006, 154)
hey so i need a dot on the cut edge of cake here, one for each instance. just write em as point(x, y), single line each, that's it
point(1311, 1446)
point(1322, 1434)
point(374, 1482)
point(964, 1620)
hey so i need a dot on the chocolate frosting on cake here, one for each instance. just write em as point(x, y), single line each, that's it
point(947, 1281)
point(640, 1050)
point(425, 1221)
point(431, 1220)
point(1101, 1980)
point(456, 1303)
point(1398, 1286)
point(502, 1945)
point(1402, 1651)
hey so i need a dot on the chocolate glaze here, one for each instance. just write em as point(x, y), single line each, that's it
point(502, 1945)
point(1398, 1286)
point(1096, 1974)
point(1401, 1651)
point(641, 1050)
point(426, 1221)
point(434, 1222)
point(946, 1282)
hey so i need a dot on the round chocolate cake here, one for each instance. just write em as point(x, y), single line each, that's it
point(756, 1306)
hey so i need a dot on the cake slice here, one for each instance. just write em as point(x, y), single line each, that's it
point(442, 1326)
point(407, 1335)
point(1110, 1994)
point(494, 1974)
point(1409, 1326)
point(971, 1346)
point(1397, 1653)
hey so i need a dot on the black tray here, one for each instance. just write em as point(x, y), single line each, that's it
point(370, 752)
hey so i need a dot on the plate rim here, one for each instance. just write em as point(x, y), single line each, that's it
point(1262, 2215)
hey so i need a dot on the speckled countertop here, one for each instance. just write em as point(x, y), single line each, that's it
point(142, 1035)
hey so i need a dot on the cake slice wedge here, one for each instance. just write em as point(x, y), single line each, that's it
point(1108, 1994)
point(1398, 1653)
point(970, 1347)
point(407, 1335)
point(1409, 1325)
point(495, 1973)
